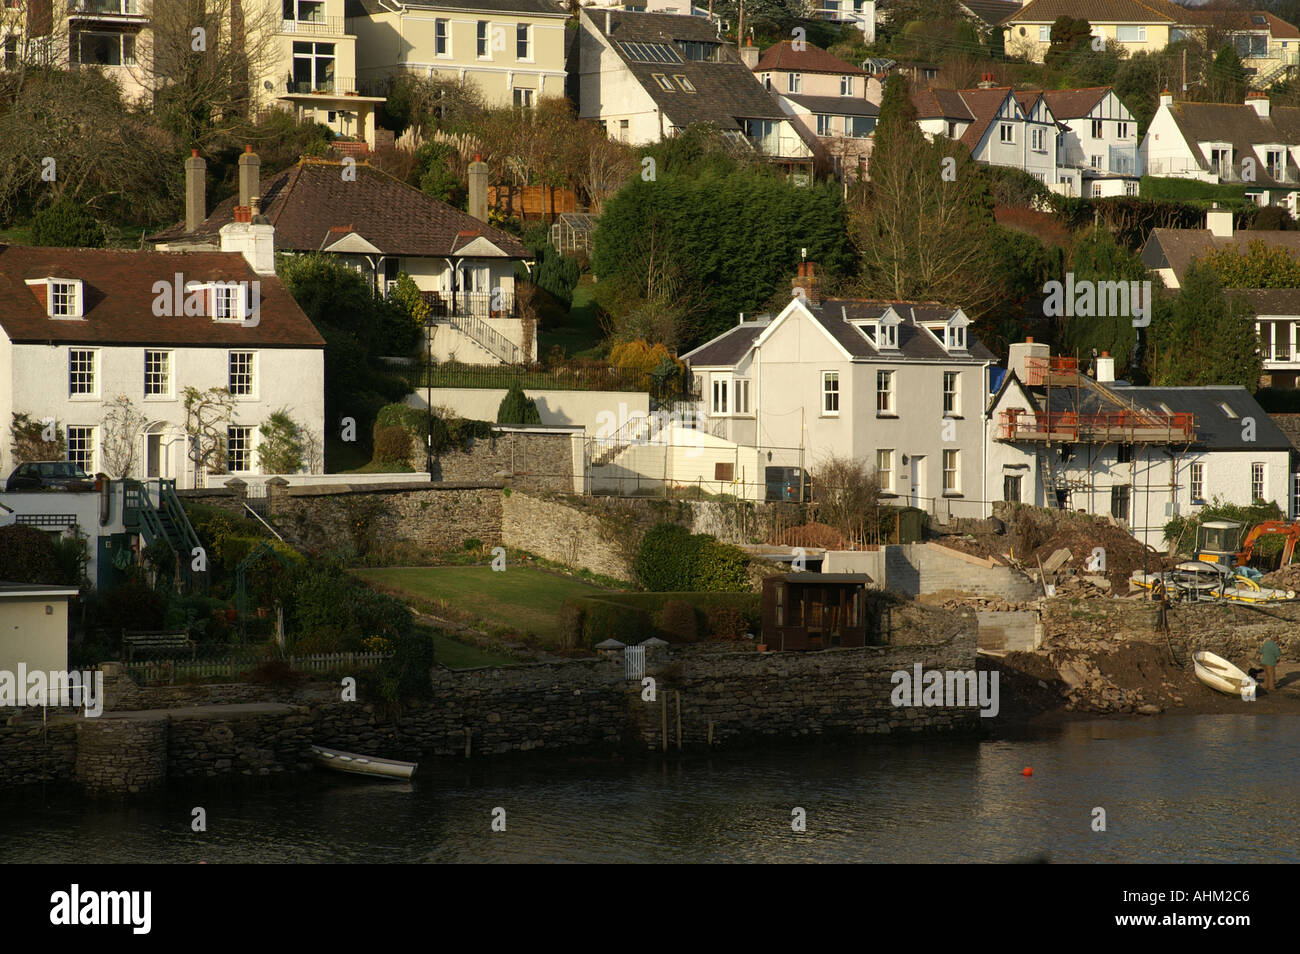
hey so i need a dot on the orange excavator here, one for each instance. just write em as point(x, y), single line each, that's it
point(1218, 541)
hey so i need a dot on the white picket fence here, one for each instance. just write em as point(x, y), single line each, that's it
point(634, 663)
point(167, 671)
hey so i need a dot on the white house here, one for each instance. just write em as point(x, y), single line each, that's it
point(1254, 144)
point(1059, 437)
point(383, 227)
point(81, 327)
point(899, 385)
point(1099, 138)
point(646, 76)
point(1000, 126)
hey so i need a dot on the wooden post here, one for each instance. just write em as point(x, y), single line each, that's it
point(710, 733)
point(468, 733)
point(679, 720)
point(663, 721)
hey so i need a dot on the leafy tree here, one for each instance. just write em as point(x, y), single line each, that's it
point(281, 448)
point(921, 226)
point(405, 294)
point(67, 223)
point(1095, 256)
point(553, 273)
point(437, 178)
point(1202, 336)
point(1260, 266)
point(36, 439)
point(1068, 36)
point(1273, 218)
point(1226, 78)
point(28, 555)
point(517, 408)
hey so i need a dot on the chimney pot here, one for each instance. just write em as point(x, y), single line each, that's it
point(1029, 339)
point(248, 147)
point(250, 168)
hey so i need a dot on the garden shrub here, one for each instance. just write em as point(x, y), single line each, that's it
point(667, 558)
point(606, 620)
point(407, 674)
point(727, 623)
point(517, 408)
point(569, 621)
point(392, 444)
point(721, 567)
point(27, 555)
point(677, 622)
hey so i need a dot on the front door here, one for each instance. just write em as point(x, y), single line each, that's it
point(153, 455)
point(918, 480)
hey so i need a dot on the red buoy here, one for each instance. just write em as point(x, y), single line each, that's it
point(1027, 771)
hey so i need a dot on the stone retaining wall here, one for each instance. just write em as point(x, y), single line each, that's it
point(122, 756)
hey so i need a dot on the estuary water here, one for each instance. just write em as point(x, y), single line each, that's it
point(1174, 789)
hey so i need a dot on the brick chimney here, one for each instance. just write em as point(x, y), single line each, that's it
point(478, 188)
point(1166, 98)
point(196, 191)
point(251, 235)
point(1260, 102)
point(1218, 221)
point(250, 167)
point(806, 279)
point(986, 81)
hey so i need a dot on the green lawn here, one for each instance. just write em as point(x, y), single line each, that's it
point(580, 336)
point(457, 655)
point(520, 598)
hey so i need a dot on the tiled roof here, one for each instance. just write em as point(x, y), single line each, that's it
point(983, 105)
point(310, 204)
point(940, 103)
point(838, 316)
point(724, 92)
point(1175, 248)
point(991, 11)
point(811, 59)
point(356, 8)
point(1271, 301)
point(1101, 11)
point(1288, 424)
point(1240, 125)
point(836, 105)
point(1215, 429)
point(118, 299)
point(1074, 103)
point(1244, 20)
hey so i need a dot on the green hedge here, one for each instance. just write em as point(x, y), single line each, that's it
point(673, 559)
point(634, 617)
point(1183, 190)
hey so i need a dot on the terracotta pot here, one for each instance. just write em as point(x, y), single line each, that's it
point(762, 647)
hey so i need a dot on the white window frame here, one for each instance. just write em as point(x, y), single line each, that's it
point(846, 85)
point(830, 394)
point(1044, 34)
point(73, 292)
point(887, 335)
point(740, 392)
point(1098, 129)
point(1131, 187)
point(442, 38)
point(1007, 134)
point(1196, 481)
point(92, 371)
point(721, 405)
point(249, 446)
point(526, 29)
point(1141, 33)
point(483, 39)
point(887, 377)
point(951, 471)
point(952, 394)
point(1121, 130)
point(1038, 139)
point(88, 435)
point(825, 125)
point(251, 372)
point(794, 83)
point(1257, 475)
point(524, 97)
point(165, 374)
point(885, 474)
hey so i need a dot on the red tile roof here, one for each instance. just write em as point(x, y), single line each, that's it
point(1074, 103)
point(118, 300)
point(811, 59)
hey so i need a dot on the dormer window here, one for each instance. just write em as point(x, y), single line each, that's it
point(63, 297)
point(887, 332)
point(227, 301)
point(954, 332)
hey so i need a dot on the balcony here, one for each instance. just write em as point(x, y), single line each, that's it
point(327, 26)
point(470, 304)
point(330, 86)
point(1279, 355)
point(104, 9)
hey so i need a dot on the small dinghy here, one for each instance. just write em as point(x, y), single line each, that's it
point(1217, 673)
point(362, 764)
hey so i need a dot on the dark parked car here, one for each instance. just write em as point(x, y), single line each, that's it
point(49, 474)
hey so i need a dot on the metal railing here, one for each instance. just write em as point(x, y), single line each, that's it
point(486, 337)
point(1125, 426)
point(333, 86)
point(104, 8)
point(330, 26)
point(167, 671)
point(496, 304)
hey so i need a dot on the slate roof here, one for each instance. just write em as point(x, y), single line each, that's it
point(991, 12)
point(811, 59)
point(118, 299)
point(356, 8)
point(1100, 11)
point(1215, 429)
point(836, 105)
point(1271, 301)
point(941, 104)
point(1243, 21)
point(1175, 248)
point(724, 91)
point(1074, 103)
point(311, 205)
point(837, 316)
point(1288, 424)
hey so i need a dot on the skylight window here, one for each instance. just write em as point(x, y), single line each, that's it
point(651, 52)
point(1228, 410)
point(684, 83)
point(664, 82)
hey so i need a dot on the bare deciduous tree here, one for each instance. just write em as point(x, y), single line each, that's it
point(121, 426)
point(207, 414)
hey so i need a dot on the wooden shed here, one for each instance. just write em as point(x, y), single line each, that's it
point(819, 610)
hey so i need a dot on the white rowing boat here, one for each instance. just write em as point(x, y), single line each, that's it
point(1217, 673)
point(362, 764)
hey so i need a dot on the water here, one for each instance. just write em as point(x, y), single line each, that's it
point(1189, 789)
